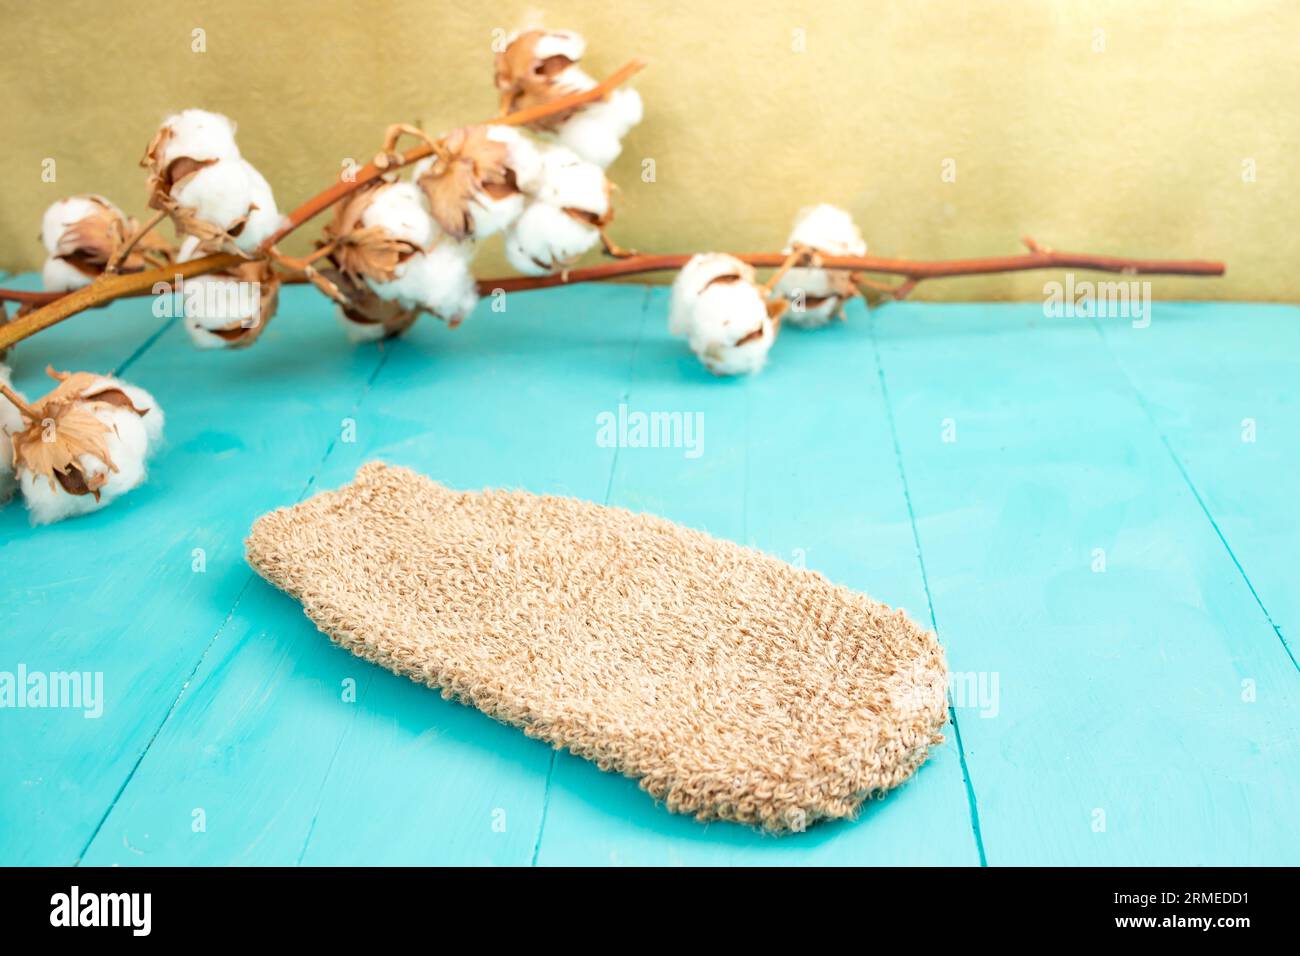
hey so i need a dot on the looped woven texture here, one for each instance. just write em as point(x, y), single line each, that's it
point(730, 684)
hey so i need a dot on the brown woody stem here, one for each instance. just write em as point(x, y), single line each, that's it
point(55, 307)
point(63, 305)
point(913, 270)
point(106, 289)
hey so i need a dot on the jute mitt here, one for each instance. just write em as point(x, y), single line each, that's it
point(730, 684)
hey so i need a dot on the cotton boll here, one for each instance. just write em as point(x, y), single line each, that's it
point(401, 209)
point(223, 311)
point(717, 306)
point(229, 196)
point(488, 213)
point(126, 441)
point(732, 331)
point(60, 275)
point(263, 218)
point(829, 230)
point(565, 43)
point(817, 295)
point(546, 238)
point(568, 181)
point(83, 444)
point(150, 412)
point(219, 195)
point(359, 330)
point(10, 422)
point(67, 213)
point(563, 221)
point(693, 279)
point(522, 156)
point(196, 134)
point(438, 280)
point(596, 132)
point(81, 234)
point(538, 66)
point(474, 184)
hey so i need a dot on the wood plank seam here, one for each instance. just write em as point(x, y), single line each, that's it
point(609, 487)
point(198, 664)
point(971, 798)
point(1191, 486)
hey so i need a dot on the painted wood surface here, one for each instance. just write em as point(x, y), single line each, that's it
point(1070, 503)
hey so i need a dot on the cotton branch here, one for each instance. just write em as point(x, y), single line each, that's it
point(55, 307)
point(912, 270)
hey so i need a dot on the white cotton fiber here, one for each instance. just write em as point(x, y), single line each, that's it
point(60, 275)
point(548, 235)
point(702, 269)
point(264, 219)
point(214, 303)
point(439, 280)
point(358, 332)
point(545, 238)
point(127, 443)
point(721, 312)
point(832, 232)
point(10, 422)
point(65, 213)
point(219, 194)
point(141, 400)
point(567, 180)
point(200, 135)
point(402, 209)
point(596, 132)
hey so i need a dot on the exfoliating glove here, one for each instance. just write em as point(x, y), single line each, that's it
point(730, 684)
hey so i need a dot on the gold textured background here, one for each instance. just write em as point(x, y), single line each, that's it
point(1135, 150)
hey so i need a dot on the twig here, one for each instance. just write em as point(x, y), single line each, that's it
point(914, 270)
point(121, 254)
point(26, 410)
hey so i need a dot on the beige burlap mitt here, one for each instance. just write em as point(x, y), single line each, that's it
point(730, 684)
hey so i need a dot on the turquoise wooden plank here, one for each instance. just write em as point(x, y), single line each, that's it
point(117, 592)
point(1147, 713)
point(266, 742)
point(797, 461)
point(1219, 383)
point(59, 612)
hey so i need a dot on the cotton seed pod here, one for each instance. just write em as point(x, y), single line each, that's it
point(571, 206)
point(719, 308)
point(82, 233)
point(11, 422)
point(83, 445)
point(368, 318)
point(595, 132)
point(475, 184)
point(198, 177)
point(386, 238)
point(818, 295)
point(377, 228)
point(538, 67)
point(231, 309)
point(438, 280)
